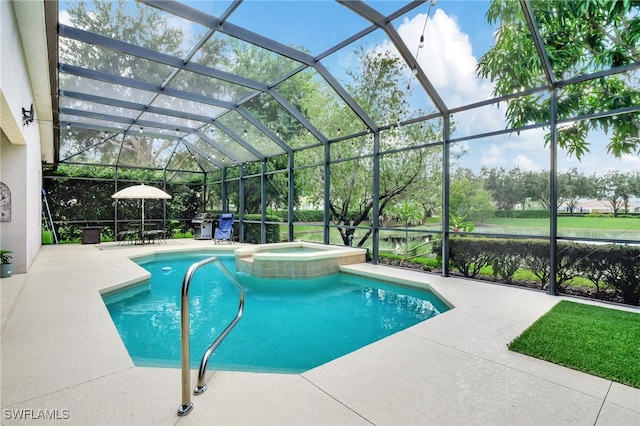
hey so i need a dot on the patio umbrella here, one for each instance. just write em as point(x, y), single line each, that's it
point(141, 192)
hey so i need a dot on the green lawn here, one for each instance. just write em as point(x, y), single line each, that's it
point(569, 222)
point(600, 341)
point(576, 222)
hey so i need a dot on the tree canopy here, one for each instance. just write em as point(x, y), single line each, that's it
point(580, 37)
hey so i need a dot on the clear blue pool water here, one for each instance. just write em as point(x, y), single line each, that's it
point(288, 326)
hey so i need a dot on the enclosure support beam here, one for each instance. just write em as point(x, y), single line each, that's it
point(225, 205)
point(263, 203)
point(241, 205)
point(446, 123)
point(164, 202)
point(327, 195)
point(372, 15)
point(376, 197)
point(553, 195)
point(530, 17)
point(290, 195)
point(115, 205)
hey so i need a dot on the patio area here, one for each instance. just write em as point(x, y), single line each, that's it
point(63, 360)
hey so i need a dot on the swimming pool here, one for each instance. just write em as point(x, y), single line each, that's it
point(289, 326)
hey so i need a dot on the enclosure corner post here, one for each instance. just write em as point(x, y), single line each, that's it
point(263, 203)
point(241, 205)
point(553, 195)
point(446, 130)
point(291, 197)
point(375, 223)
point(327, 195)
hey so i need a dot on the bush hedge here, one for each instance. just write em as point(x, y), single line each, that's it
point(308, 215)
point(252, 230)
point(312, 215)
point(609, 266)
point(522, 214)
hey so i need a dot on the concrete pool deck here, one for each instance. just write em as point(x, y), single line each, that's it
point(62, 358)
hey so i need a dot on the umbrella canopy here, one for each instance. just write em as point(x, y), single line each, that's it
point(141, 192)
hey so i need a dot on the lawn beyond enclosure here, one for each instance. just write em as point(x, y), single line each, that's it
point(599, 341)
point(622, 224)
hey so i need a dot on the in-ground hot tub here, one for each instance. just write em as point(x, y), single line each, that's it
point(296, 259)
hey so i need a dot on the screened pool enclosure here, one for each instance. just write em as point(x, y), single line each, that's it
point(396, 121)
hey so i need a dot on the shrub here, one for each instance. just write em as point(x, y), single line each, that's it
point(623, 272)
point(426, 263)
point(507, 260)
point(69, 232)
point(536, 259)
point(469, 255)
point(308, 215)
point(593, 265)
point(252, 231)
point(606, 266)
point(522, 214)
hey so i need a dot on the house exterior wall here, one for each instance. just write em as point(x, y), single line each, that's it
point(20, 152)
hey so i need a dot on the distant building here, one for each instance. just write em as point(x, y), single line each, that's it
point(594, 206)
point(599, 206)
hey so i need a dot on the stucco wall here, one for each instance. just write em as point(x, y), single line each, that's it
point(20, 154)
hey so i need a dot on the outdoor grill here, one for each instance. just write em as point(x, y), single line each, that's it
point(202, 225)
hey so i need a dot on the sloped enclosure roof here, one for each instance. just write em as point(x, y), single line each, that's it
point(205, 85)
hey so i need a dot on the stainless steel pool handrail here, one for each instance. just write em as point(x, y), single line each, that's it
point(187, 405)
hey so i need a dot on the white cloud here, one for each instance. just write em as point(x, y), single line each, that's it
point(526, 164)
point(493, 156)
point(598, 160)
point(497, 156)
point(630, 162)
point(446, 58)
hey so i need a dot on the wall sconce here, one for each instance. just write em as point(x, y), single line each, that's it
point(27, 116)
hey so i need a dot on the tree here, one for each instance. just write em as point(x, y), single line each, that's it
point(468, 199)
point(464, 186)
point(572, 186)
point(261, 65)
point(616, 188)
point(377, 87)
point(506, 188)
point(275, 187)
point(146, 28)
point(481, 206)
point(408, 213)
point(537, 187)
point(635, 184)
point(81, 195)
point(579, 37)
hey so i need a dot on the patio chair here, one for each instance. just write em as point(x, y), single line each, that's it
point(224, 230)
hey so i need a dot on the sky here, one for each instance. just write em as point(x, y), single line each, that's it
point(456, 36)
point(460, 36)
